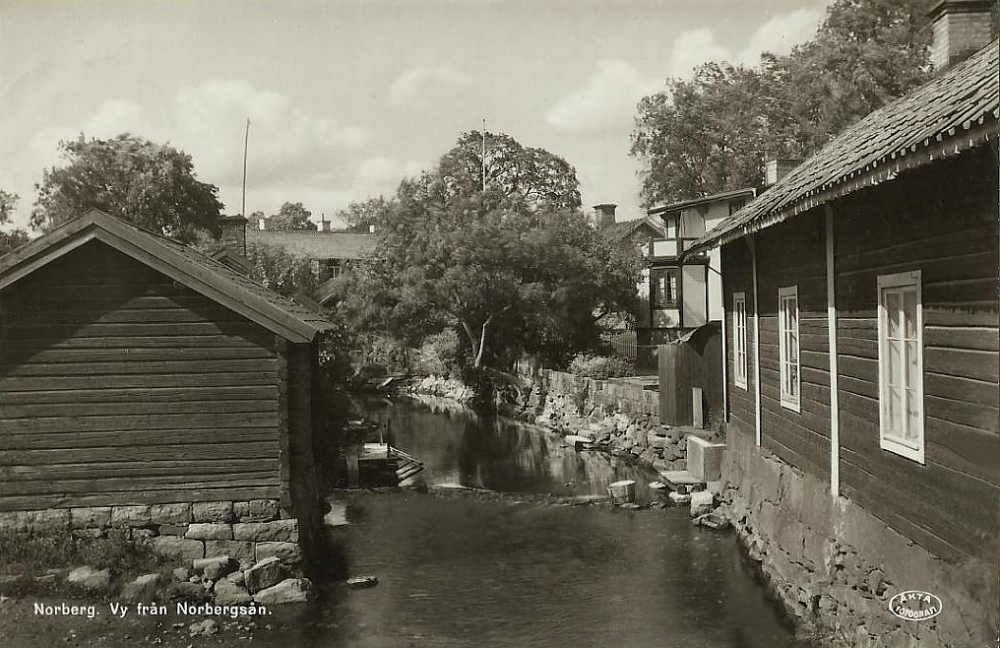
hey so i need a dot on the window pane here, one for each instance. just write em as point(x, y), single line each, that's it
point(893, 362)
point(892, 313)
point(910, 313)
point(894, 408)
point(911, 365)
point(913, 416)
point(793, 387)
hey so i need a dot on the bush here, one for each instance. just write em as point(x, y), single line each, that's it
point(440, 354)
point(600, 367)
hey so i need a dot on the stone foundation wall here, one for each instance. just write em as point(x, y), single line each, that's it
point(835, 567)
point(247, 531)
point(622, 415)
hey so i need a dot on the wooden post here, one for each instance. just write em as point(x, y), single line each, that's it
point(752, 242)
point(831, 327)
point(697, 410)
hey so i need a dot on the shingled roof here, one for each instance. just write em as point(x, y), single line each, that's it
point(623, 229)
point(950, 114)
point(286, 317)
point(315, 245)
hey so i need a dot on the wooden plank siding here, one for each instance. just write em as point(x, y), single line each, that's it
point(795, 255)
point(940, 220)
point(119, 386)
point(737, 277)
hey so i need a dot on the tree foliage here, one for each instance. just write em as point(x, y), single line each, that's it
point(151, 185)
point(291, 216)
point(284, 273)
point(713, 132)
point(514, 174)
point(360, 216)
point(15, 237)
point(510, 270)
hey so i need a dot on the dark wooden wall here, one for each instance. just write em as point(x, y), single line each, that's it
point(794, 254)
point(119, 386)
point(737, 277)
point(943, 221)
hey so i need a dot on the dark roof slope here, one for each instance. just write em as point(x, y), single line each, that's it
point(316, 245)
point(952, 113)
point(279, 314)
point(666, 208)
point(621, 230)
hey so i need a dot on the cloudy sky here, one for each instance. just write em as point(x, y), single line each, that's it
point(347, 97)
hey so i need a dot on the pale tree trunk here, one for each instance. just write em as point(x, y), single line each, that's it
point(478, 345)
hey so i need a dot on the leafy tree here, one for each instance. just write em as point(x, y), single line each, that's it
point(16, 237)
point(151, 185)
point(514, 174)
point(291, 216)
point(713, 132)
point(282, 272)
point(360, 216)
point(254, 219)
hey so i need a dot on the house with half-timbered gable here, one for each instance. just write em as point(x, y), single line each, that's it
point(862, 348)
point(146, 385)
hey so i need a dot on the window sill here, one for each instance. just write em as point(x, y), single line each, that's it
point(905, 451)
point(792, 405)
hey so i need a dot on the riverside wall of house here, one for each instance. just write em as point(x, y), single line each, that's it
point(834, 566)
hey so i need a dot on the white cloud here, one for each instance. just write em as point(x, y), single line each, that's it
point(380, 175)
point(605, 102)
point(779, 34)
point(420, 85)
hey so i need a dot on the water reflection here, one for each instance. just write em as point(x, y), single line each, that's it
point(496, 453)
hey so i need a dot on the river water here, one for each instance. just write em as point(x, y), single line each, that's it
point(460, 569)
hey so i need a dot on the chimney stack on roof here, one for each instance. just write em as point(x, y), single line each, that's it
point(775, 170)
point(234, 235)
point(604, 215)
point(324, 225)
point(961, 28)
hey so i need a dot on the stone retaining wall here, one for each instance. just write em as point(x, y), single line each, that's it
point(620, 414)
point(835, 567)
point(247, 531)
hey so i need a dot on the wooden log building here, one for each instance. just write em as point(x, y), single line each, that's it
point(135, 371)
point(862, 342)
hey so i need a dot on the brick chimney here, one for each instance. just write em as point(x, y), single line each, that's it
point(234, 235)
point(961, 27)
point(604, 215)
point(775, 170)
point(324, 225)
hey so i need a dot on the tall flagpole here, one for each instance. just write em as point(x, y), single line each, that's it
point(484, 155)
point(246, 142)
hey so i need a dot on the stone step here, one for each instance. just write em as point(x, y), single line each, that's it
point(680, 481)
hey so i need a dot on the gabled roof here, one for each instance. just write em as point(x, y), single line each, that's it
point(950, 114)
point(622, 230)
point(181, 263)
point(315, 245)
point(666, 208)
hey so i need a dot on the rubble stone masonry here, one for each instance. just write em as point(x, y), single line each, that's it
point(835, 567)
point(244, 530)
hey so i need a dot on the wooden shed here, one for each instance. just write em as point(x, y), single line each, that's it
point(136, 371)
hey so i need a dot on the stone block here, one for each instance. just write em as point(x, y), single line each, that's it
point(704, 459)
point(173, 529)
point(212, 511)
point(142, 535)
point(209, 531)
point(177, 513)
point(130, 516)
point(13, 522)
point(238, 549)
point(291, 590)
point(276, 531)
point(90, 579)
point(702, 502)
point(214, 567)
point(177, 548)
point(258, 510)
point(48, 520)
point(230, 593)
point(89, 534)
point(289, 553)
point(90, 517)
point(142, 589)
point(264, 574)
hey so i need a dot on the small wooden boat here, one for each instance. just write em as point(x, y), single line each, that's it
point(360, 582)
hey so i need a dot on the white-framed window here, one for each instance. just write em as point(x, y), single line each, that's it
point(740, 339)
point(901, 365)
point(788, 346)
